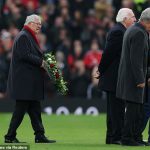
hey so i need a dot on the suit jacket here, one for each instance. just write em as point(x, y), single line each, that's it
point(109, 64)
point(133, 64)
point(26, 81)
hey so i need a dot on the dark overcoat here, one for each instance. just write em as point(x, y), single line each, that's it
point(109, 64)
point(25, 81)
point(133, 64)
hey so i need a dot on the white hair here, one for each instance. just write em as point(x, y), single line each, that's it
point(145, 16)
point(122, 14)
point(32, 18)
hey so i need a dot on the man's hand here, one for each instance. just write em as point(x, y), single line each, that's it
point(141, 85)
point(2, 95)
point(97, 74)
point(148, 81)
point(43, 64)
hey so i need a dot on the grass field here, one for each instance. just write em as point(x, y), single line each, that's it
point(71, 132)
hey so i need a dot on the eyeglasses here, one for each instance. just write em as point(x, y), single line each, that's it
point(39, 24)
point(131, 17)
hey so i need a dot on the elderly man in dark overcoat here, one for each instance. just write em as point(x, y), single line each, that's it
point(132, 77)
point(108, 71)
point(26, 81)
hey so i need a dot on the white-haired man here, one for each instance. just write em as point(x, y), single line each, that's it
point(132, 77)
point(26, 81)
point(108, 71)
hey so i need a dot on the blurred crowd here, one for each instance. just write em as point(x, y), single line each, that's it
point(74, 30)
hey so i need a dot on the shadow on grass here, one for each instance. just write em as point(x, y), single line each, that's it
point(85, 145)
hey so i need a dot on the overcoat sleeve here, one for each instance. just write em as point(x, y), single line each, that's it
point(112, 50)
point(137, 55)
point(25, 52)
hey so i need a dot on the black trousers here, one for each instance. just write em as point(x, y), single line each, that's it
point(146, 116)
point(33, 108)
point(133, 122)
point(115, 117)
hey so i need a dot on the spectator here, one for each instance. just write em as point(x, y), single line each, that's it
point(79, 79)
point(93, 56)
point(77, 54)
point(65, 22)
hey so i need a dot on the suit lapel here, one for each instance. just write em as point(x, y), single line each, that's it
point(122, 27)
point(35, 44)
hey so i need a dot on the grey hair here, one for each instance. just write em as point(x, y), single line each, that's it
point(145, 15)
point(122, 14)
point(32, 18)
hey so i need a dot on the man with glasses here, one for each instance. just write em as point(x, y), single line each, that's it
point(26, 81)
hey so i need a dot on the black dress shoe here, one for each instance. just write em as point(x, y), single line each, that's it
point(15, 140)
point(43, 139)
point(116, 142)
point(108, 141)
point(131, 143)
point(143, 142)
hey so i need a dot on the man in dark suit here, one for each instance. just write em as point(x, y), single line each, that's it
point(26, 81)
point(108, 71)
point(132, 77)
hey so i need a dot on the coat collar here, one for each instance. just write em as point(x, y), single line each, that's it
point(138, 24)
point(31, 33)
point(121, 25)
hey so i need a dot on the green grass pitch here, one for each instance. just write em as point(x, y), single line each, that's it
point(71, 132)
